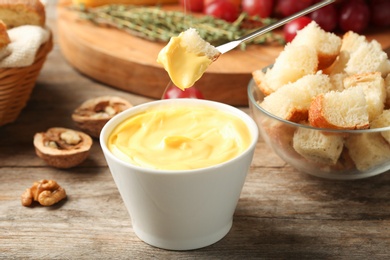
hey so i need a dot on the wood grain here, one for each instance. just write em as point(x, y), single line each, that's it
point(281, 214)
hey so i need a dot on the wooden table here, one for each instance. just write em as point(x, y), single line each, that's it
point(281, 214)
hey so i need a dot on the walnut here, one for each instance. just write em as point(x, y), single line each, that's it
point(62, 147)
point(46, 192)
point(94, 113)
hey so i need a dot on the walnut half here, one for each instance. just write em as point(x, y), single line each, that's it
point(62, 147)
point(46, 192)
point(94, 113)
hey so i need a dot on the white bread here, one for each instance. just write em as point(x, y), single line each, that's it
point(350, 42)
point(327, 44)
point(338, 67)
point(4, 41)
point(318, 147)
point(4, 37)
point(368, 57)
point(293, 63)
point(22, 12)
point(373, 86)
point(340, 110)
point(337, 80)
point(368, 150)
point(192, 41)
point(292, 101)
point(383, 120)
point(358, 55)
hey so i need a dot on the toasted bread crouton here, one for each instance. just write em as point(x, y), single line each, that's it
point(318, 147)
point(374, 89)
point(383, 120)
point(357, 47)
point(351, 41)
point(293, 63)
point(327, 44)
point(368, 57)
point(338, 66)
point(292, 101)
point(259, 79)
point(368, 150)
point(193, 42)
point(337, 81)
point(340, 110)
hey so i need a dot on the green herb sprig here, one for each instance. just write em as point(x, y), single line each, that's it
point(156, 24)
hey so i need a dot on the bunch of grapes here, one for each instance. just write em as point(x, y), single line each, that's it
point(347, 15)
point(342, 16)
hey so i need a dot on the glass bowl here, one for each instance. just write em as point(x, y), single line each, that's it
point(367, 155)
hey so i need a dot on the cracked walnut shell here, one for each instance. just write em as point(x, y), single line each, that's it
point(62, 147)
point(94, 113)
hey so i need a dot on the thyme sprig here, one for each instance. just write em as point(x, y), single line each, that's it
point(156, 24)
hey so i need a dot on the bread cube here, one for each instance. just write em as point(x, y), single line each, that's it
point(292, 101)
point(382, 120)
point(368, 150)
point(293, 63)
point(318, 147)
point(340, 110)
point(373, 86)
point(326, 44)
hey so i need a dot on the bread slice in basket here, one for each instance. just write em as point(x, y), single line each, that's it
point(21, 12)
point(4, 40)
point(4, 37)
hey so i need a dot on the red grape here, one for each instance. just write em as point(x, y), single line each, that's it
point(326, 17)
point(291, 28)
point(175, 92)
point(192, 5)
point(354, 16)
point(380, 12)
point(262, 8)
point(288, 7)
point(222, 9)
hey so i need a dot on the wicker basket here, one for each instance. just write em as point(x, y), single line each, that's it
point(16, 85)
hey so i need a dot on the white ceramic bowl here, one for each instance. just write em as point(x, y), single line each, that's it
point(181, 209)
point(278, 134)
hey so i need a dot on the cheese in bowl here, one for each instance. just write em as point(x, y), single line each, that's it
point(179, 137)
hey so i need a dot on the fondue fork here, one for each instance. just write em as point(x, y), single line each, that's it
point(233, 44)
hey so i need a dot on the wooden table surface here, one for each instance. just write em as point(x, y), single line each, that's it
point(282, 214)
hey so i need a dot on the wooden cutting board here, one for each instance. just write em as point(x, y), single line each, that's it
point(129, 63)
